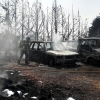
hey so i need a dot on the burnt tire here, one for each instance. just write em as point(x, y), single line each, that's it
point(92, 61)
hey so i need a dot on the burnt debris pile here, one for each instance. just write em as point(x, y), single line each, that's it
point(15, 87)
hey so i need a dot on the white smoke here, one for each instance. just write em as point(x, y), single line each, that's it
point(8, 45)
point(70, 45)
point(3, 74)
point(57, 38)
point(3, 77)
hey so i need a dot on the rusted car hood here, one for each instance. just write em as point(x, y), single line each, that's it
point(63, 53)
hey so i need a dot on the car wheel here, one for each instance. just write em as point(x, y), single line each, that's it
point(92, 61)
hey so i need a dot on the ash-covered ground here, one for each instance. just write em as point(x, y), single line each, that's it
point(42, 82)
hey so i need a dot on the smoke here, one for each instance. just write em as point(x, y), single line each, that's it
point(3, 74)
point(8, 46)
point(70, 45)
point(57, 38)
point(3, 77)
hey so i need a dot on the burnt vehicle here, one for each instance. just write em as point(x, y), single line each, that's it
point(89, 50)
point(51, 53)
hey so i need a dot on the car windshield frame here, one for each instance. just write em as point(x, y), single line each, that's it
point(60, 46)
point(94, 43)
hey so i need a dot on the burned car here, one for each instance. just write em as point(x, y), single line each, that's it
point(89, 50)
point(51, 53)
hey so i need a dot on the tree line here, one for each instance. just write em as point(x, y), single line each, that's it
point(19, 19)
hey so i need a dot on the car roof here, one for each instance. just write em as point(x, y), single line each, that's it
point(89, 38)
point(47, 41)
point(42, 41)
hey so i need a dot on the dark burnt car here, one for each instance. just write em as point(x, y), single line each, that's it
point(51, 53)
point(89, 50)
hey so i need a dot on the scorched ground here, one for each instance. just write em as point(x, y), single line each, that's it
point(80, 82)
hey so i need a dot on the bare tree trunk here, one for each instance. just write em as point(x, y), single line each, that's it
point(55, 16)
point(52, 26)
point(15, 27)
point(63, 35)
point(68, 27)
point(36, 38)
point(78, 24)
point(47, 24)
point(73, 23)
point(28, 20)
point(22, 20)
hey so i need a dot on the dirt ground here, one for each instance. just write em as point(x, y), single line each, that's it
point(81, 82)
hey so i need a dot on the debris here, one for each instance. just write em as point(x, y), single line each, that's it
point(70, 98)
point(40, 81)
point(25, 94)
point(8, 92)
point(41, 65)
point(19, 92)
point(34, 97)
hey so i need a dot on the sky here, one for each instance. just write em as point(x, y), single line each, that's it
point(88, 9)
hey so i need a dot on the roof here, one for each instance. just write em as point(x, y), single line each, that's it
point(89, 38)
point(43, 41)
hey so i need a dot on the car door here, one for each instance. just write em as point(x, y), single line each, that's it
point(84, 50)
point(33, 51)
point(41, 51)
point(37, 51)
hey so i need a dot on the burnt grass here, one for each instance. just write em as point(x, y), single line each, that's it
point(45, 93)
point(53, 86)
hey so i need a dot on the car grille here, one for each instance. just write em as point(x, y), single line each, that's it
point(69, 57)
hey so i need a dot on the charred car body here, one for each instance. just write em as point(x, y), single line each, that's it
point(89, 50)
point(51, 53)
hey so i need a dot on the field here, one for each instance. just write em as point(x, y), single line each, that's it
point(81, 82)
